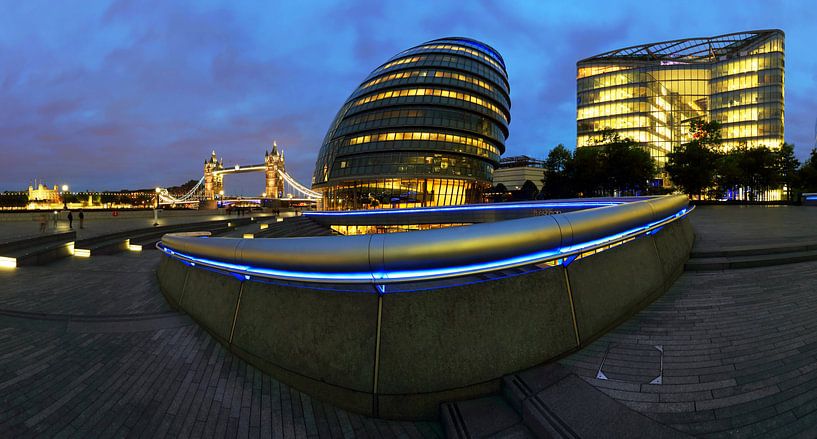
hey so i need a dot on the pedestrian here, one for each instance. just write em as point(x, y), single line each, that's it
point(81, 219)
point(70, 220)
point(41, 219)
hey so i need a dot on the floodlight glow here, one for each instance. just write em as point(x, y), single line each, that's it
point(82, 252)
point(7, 262)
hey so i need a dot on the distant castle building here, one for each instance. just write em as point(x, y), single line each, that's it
point(44, 195)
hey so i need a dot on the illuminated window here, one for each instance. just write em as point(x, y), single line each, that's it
point(433, 92)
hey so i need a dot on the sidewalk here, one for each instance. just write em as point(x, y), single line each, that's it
point(14, 230)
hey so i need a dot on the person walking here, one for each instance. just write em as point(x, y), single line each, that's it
point(41, 219)
point(70, 220)
point(81, 219)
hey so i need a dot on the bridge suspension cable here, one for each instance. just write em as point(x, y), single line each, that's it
point(166, 198)
point(308, 193)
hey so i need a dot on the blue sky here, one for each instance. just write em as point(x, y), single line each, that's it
point(126, 94)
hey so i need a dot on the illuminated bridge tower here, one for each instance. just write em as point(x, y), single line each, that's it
point(213, 183)
point(274, 161)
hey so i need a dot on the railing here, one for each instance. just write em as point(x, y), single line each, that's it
point(432, 254)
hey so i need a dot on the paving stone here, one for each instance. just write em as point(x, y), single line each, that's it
point(740, 346)
point(142, 380)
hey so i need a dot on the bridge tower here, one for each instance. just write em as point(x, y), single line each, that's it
point(274, 161)
point(213, 183)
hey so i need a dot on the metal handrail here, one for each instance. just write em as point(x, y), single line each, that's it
point(431, 254)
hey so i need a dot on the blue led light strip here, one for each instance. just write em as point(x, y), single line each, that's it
point(468, 208)
point(427, 274)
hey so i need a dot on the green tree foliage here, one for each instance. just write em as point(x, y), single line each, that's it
point(693, 166)
point(808, 173)
point(556, 181)
point(528, 191)
point(753, 171)
point(13, 199)
point(787, 165)
point(500, 193)
point(613, 165)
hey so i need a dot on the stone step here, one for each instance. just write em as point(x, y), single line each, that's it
point(37, 250)
point(489, 417)
point(762, 260)
point(753, 250)
point(555, 403)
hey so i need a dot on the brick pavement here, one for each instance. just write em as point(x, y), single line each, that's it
point(717, 226)
point(739, 354)
point(126, 365)
point(13, 230)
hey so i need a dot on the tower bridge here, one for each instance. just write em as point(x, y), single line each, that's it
point(278, 184)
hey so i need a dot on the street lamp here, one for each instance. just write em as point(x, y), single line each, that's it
point(64, 201)
point(156, 210)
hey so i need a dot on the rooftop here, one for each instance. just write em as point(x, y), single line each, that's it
point(691, 50)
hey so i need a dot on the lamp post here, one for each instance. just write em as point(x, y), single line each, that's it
point(64, 201)
point(156, 209)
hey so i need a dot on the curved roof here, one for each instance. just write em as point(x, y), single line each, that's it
point(691, 50)
point(475, 44)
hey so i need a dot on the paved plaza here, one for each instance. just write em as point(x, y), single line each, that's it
point(739, 346)
point(27, 225)
point(89, 347)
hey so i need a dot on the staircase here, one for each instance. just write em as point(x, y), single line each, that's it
point(548, 402)
point(296, 226)
point(751, 256)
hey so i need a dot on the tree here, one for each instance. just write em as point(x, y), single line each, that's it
point(500, 193)
point(694, 165)
point(528, 191)
point(787, 165)
point(586, 172)
point(557, 182)
point(760, 171)
point(626, 168)
point(13, 199)
point(728, 178)
point(808, 173)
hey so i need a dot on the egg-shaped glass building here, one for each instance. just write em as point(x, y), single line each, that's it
point(425, 128)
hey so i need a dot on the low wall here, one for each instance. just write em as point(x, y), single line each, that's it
point(92, 214)
point(400, 354)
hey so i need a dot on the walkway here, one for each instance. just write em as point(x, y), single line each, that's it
point(89, 347)
point(739, 346)
point(719, 226)
point(12, 230)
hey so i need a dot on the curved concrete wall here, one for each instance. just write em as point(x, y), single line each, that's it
point(400, 354)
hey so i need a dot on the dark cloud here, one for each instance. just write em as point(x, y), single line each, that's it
point(106, 95)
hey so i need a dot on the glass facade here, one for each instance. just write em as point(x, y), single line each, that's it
point(377, 229)
point(650, 93)
point(426, 128)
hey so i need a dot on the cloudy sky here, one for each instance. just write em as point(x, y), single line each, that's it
point(126, 94)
